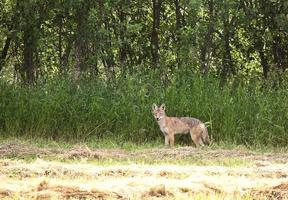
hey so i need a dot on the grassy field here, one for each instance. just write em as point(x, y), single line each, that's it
point(91, 139)
point(61, 171)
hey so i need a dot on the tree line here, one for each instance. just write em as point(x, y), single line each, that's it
point(113, 38)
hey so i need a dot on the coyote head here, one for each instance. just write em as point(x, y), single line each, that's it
point(158, 112)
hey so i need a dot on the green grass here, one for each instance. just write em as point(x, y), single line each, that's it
point(192, 160)
point(195, 160)
point(130, 148)
point(88, 111)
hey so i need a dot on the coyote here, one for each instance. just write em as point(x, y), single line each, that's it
point(175, 125)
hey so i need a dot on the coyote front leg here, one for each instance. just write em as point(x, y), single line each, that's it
point(166, 139)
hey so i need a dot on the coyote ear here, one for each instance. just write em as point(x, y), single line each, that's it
point(163, 107)
point(154, 106)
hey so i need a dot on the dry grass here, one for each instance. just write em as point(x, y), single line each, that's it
point(266, 175)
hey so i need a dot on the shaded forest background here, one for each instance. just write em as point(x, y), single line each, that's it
point(223, 61)
point(42, 38)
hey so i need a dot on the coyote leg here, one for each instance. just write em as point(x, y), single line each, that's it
point(171, 140)
point(196, 137)
point(166, 140)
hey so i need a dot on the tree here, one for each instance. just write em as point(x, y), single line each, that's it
point(156, 9)
point(227, 38)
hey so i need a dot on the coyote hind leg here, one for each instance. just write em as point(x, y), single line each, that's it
point(196, 137)
point(171, 140)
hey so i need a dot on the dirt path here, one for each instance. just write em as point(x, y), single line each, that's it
point(266, 175)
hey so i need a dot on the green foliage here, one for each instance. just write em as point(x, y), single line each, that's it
point(89, 109)
point(228, 38)
point(124, 57)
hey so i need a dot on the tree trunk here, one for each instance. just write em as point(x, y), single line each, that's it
point(259, 46)
point(28, 52)
point(81, 47)
point(155, 32)
point(105, 45)
point(280, 58)
point(4, 52)
point(178, 14)
point(65, 56)
point(177, 32)
point(123, 45)
point(229, 25)
point(227, 62)
point(60, 46)
point(205, 49)
point(11, 33)
point(264, 63)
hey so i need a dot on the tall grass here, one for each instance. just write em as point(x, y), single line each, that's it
point(87, 109)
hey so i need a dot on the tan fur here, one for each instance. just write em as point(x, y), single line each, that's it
point(180, 125)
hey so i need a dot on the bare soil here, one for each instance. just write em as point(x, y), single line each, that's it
point(265, 176)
